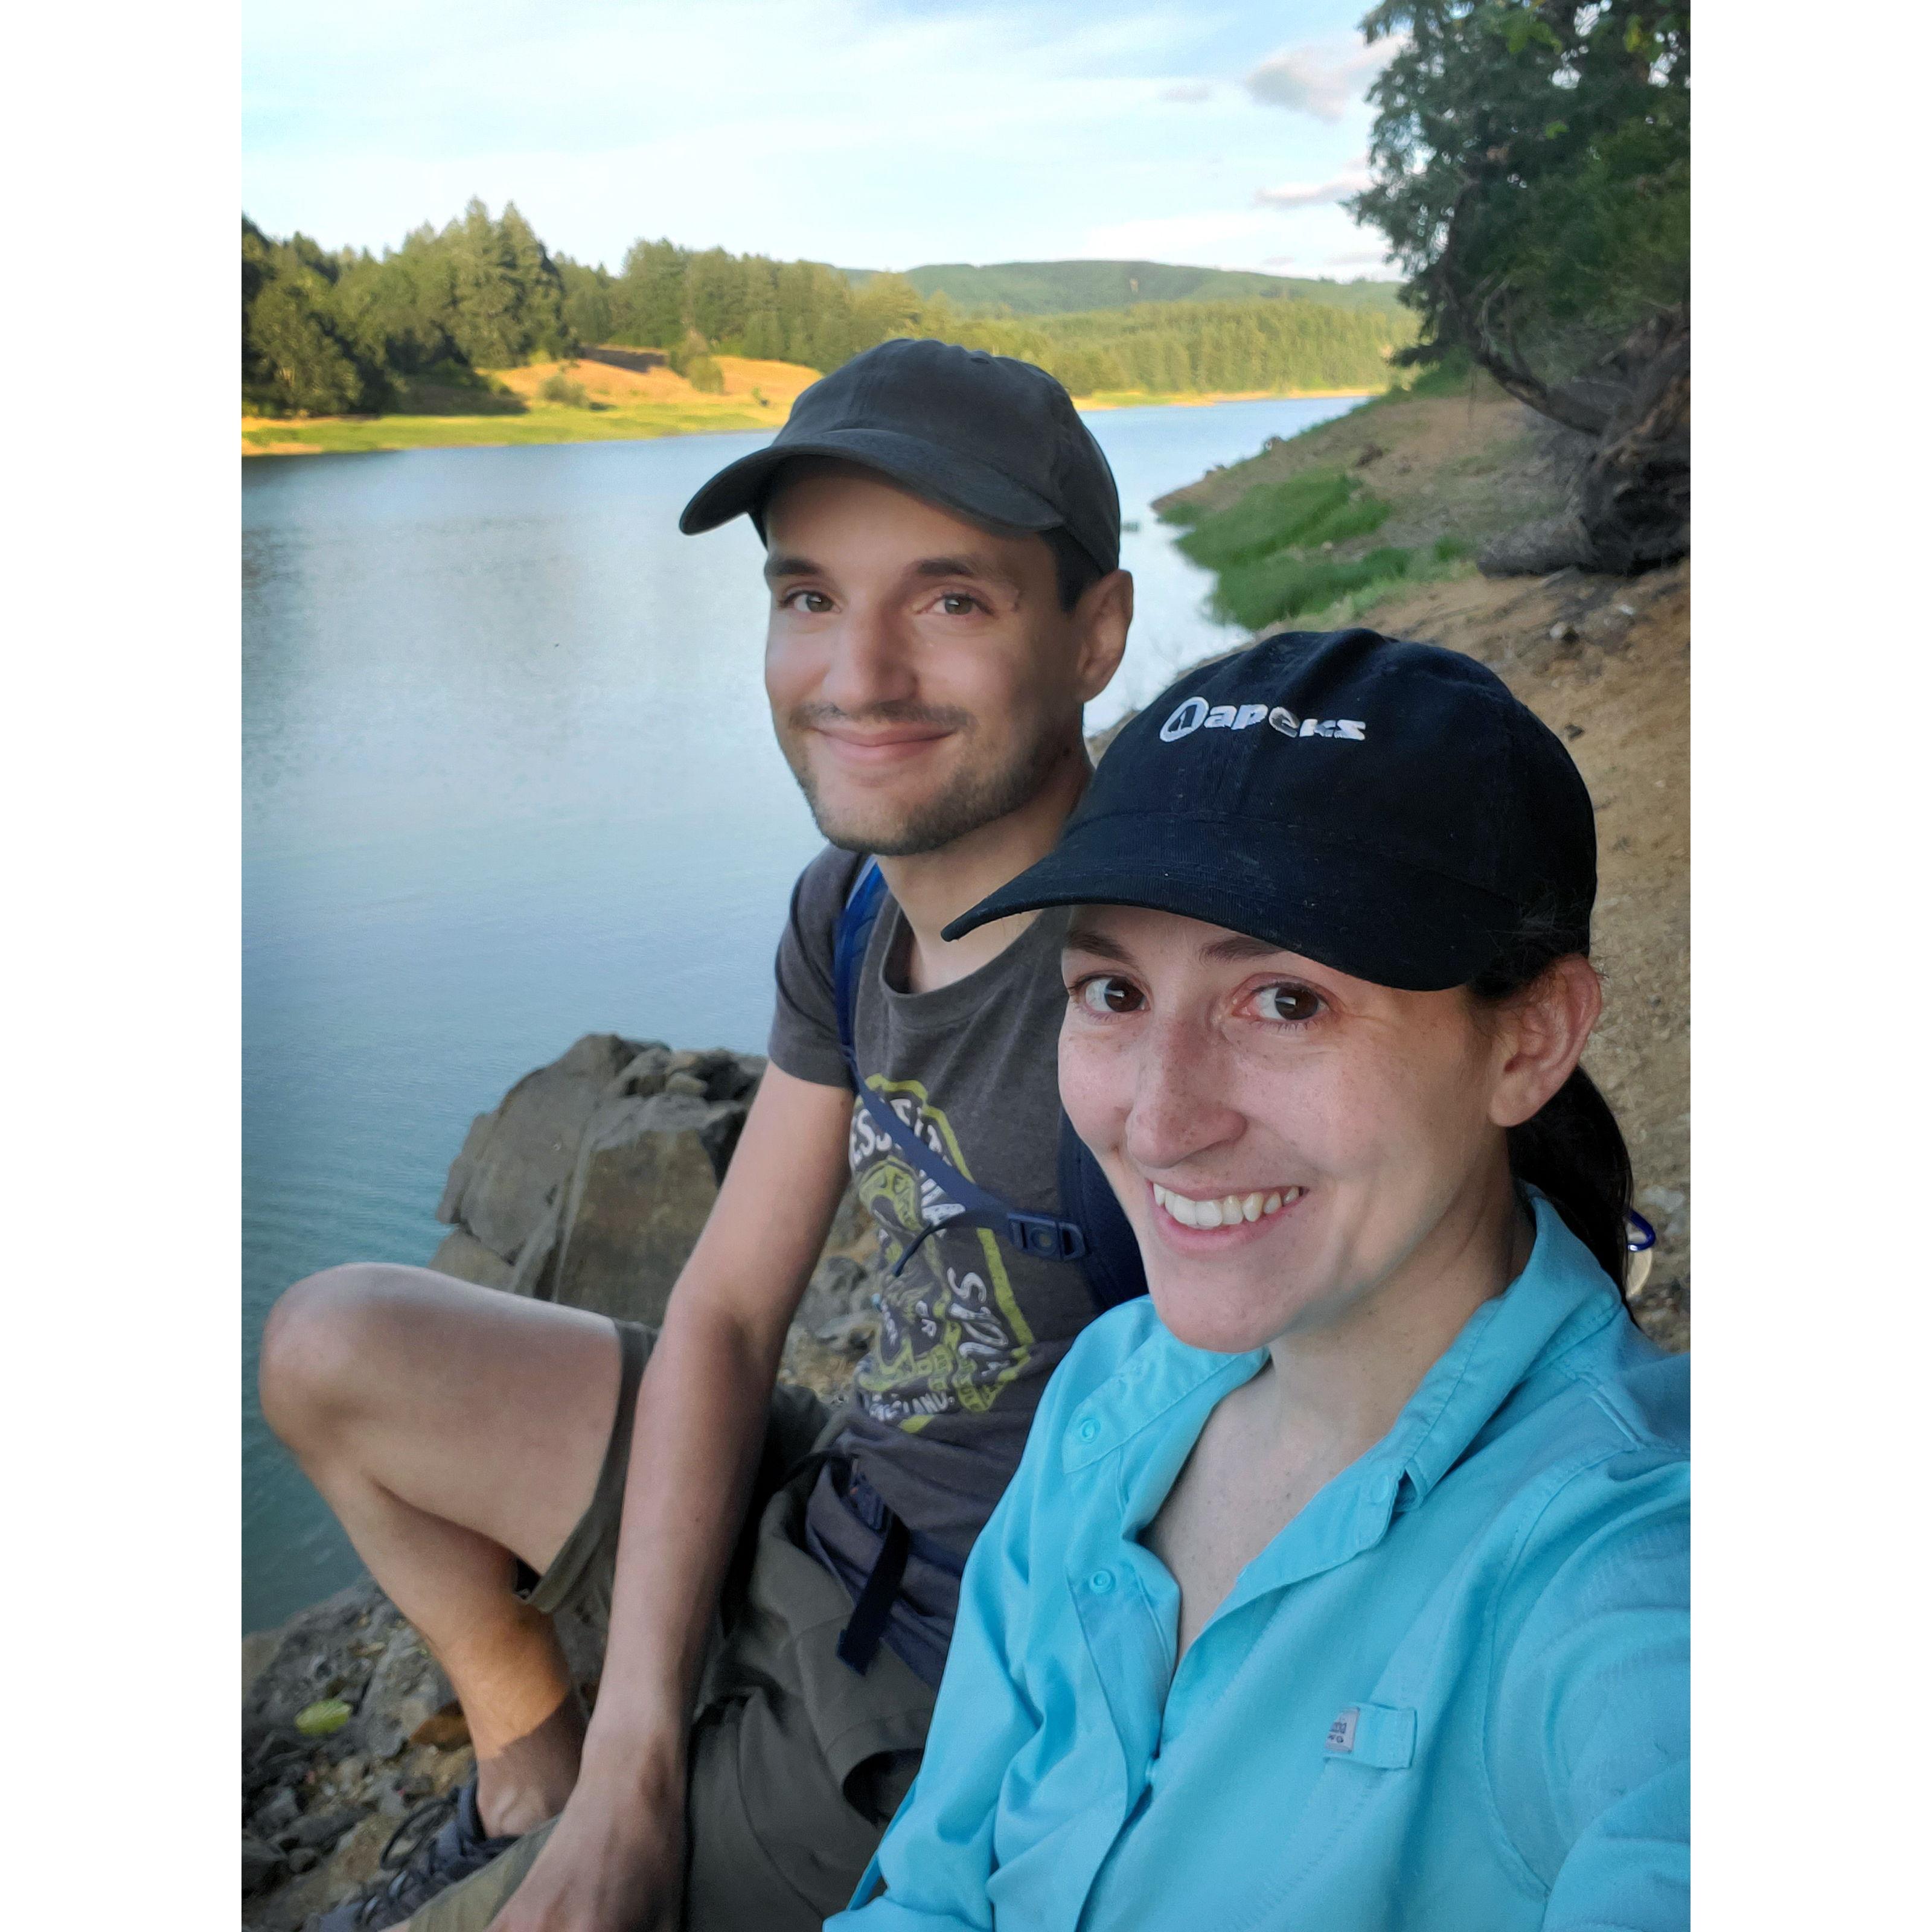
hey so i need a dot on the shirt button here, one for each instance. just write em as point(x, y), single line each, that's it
point(1101, 1582)
point(1087, 1430)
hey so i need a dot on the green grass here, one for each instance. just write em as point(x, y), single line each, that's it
point(1319, 506)
point(541, 423)
point(1288, 585)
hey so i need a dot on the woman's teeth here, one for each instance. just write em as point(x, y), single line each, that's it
point(1228, 1210)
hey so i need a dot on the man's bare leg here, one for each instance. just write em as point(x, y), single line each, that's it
point(454, 1429)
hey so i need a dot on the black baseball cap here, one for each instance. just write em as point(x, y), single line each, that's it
point(1387, 809)
point(998, 440)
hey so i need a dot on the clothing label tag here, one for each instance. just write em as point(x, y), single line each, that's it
point(1342, 1732)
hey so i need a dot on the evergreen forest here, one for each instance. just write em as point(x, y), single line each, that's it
point(349, 332)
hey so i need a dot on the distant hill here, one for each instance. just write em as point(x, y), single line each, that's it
point(1060, 288)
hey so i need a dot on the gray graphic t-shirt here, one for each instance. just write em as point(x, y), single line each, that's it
point(971, 1331)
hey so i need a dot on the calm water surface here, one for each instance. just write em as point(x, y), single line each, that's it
point(509, 778)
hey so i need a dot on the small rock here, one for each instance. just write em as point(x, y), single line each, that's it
point(278, 1813)
point(348, 1772)
point(1330, 544)
point(319, 1832)
point(259, 1862)
point(852, 1336)
point(1573, 732)
point(303, 1859)
point(1563, 633)
point(1628, 610)
point(683, 1082)
point(1370, 451)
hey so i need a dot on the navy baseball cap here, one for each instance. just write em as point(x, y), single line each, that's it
point(1387, 809)
point(998, 440)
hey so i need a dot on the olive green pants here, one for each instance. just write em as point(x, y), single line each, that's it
point(796, 1761)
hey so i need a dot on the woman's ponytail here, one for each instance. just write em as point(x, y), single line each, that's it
point(1573, 1149)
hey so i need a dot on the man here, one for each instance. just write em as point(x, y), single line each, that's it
point(943, 550)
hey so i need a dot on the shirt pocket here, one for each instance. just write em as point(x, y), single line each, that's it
point(1378, 1737)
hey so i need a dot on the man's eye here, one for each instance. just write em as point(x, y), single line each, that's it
point(1287, 1002)
point(957, 604)
point(1107, 993)
point(814, 601)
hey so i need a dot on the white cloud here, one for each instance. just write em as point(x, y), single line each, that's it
point(1360, 258)
point(1321, 78)
point(1188, 90)
point(1313, 194)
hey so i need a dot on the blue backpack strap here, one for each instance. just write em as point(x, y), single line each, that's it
point(1113, 1266)
point(1044, 1236)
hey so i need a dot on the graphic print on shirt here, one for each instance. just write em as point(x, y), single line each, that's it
point(951, 1334)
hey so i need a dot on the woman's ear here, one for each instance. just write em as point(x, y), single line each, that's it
point(1547, 1025)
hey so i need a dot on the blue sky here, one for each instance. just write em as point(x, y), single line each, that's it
point(863, 132)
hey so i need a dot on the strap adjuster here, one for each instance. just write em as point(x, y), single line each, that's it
point(1049, 1239)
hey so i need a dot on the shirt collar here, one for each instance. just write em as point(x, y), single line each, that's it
point(1561, 1296)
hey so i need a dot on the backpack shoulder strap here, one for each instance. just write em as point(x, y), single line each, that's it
point(1112, 1263)
point(1045, 1236)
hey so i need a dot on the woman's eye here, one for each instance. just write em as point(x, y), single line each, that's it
point(1287, 1003)
point(1107, 993)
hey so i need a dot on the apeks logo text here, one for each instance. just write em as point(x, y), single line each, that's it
point(1196, 714)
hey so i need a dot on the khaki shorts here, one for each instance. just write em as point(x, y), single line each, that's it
point(796, 1761)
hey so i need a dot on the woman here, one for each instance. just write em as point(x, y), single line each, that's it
point(1343, 1584)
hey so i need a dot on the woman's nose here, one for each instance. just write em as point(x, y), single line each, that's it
point(1178, 1110)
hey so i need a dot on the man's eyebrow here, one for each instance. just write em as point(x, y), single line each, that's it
point(963, 566)
point(780, 564)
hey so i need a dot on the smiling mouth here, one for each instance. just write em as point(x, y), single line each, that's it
point(1224, 1210)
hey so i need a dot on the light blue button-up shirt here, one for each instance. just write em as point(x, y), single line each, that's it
point(1451, 1695)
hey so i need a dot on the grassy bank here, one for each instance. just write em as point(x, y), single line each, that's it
point(605, 405)
point(1402, 492)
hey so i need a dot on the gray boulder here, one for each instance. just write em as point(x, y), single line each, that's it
point(590, 1183)
point(516, 1157)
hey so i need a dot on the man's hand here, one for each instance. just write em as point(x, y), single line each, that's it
point(605, 1869)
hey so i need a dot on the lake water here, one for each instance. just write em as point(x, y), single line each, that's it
point(509, 779)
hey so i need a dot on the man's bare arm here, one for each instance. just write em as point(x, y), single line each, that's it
point(701, 1424)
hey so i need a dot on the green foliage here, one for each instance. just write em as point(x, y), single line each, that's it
point(1062, 288)
point(556, 387)
point(1531, 163)
point(1286, 584)
point(1272, 548)
point(1319, 506)
point(299, 355)
point(484, 293)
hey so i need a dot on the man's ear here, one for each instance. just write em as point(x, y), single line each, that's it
point(1543, 1035)
point(1100, 620)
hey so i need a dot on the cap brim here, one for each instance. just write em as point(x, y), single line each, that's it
point(961, 483)
point(1373, 917)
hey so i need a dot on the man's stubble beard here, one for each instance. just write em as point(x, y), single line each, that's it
point(975, 798)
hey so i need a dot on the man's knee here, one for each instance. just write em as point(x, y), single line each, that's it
point(322, 1347)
